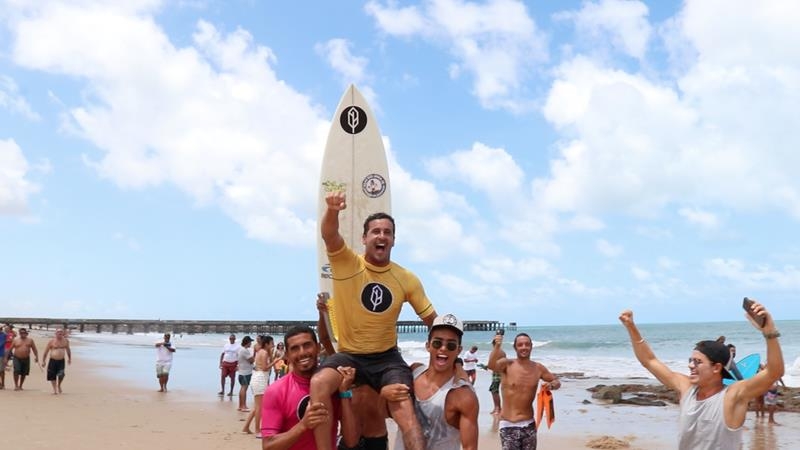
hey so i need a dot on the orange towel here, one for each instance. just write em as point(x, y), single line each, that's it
point(544, 406)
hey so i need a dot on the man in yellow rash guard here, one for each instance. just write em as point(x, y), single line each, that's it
point(370, 291)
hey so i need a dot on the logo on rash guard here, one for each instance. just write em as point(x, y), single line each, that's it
point(302, 406)
point(376, 297)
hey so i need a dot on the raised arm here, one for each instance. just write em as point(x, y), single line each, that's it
point(335, 201)
point(647, 358)
point(497, 357)
point(322, 328)
point(745, 390)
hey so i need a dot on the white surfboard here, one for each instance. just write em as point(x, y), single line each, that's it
point(354, 162)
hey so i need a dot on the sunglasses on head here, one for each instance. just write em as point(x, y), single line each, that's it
point(450, 345)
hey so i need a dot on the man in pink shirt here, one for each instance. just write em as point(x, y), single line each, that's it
point(288, 417)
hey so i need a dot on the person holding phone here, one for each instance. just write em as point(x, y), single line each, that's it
point(164, 351)
point(712, 415)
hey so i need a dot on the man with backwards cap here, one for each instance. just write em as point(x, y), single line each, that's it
point(446, 405)
point(712, 415)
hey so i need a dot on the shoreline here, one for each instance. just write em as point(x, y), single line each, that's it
point(97, 409)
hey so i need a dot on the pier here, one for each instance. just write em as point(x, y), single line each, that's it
point(131, 326)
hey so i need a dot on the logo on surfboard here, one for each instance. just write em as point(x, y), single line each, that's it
point(325, 271)
point(373, 185)
point(353, 120)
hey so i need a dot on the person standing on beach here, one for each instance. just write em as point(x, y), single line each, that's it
point(288, 414)
point(164, 351)
point(227, 364)
point(447, 405)
point(712, 415)
point(471, 363)
point(245, 370)
point(519, 379)
point(21, 348)
point(369, 292)
point(59, 351)
point(260, 380)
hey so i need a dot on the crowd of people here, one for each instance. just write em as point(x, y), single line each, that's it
point(310, 392)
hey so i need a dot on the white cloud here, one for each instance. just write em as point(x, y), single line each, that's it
point(15, 188)
point(11, 99)
point(497, 42)
point(351, 68)
point(703, 219)
point(761, 277)
point(640, 273)
point(211, 118)
point(608, 249)
point(489, 170)
point(504, 270)
point(623, 22)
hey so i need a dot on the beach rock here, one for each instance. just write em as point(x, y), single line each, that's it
point(601, 392)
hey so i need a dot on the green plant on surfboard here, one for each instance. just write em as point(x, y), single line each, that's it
point(333, 186)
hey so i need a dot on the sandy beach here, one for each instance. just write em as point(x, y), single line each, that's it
point(97, 412)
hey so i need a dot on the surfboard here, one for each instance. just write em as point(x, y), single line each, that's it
point(354, 162)
point(748, 366)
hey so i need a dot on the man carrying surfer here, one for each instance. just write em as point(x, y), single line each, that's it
point(712, 415)
point(447, 404)
point(519, 379)
point(370, 291)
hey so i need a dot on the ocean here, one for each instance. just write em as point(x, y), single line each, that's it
point(597, 351)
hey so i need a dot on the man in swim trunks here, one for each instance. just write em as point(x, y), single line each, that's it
point(58, 349)
point(164, 351)
point(471, 363)
point(22, 347)
point(288, 414)
point(712, 415)
point(369, 291)
point(519, 379)
point(228, 360)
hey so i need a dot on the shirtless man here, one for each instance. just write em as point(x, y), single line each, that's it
point(519, 379)
point(58, 349)
point(21, 348)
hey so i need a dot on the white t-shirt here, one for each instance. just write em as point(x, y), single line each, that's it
point(163, 355)
point(245, 366)
point(230, 352)
point(470, 360)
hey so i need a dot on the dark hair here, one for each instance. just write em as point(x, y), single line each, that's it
point(247, 340)
point(520, 335)
point(378, 216)
point(299, 329)
point(266, 339)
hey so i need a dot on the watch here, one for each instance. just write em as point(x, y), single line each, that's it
point(346, 394)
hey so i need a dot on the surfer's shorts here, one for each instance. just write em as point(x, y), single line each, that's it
point(22, 366)
point(244, 380)
point(229, 368)
point(518, 435)
point(55, 369)
point(771, 398)
point(162, 369)
point(375, 369)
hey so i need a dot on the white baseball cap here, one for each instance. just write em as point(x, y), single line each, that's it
point(449, 320)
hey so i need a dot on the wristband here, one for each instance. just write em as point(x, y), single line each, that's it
point(346, 394)
point(773, 335)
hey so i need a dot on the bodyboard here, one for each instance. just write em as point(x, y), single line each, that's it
point(748, 366)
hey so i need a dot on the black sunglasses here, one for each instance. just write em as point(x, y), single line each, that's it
point(437, 344)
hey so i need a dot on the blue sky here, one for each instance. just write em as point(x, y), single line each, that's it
point(551, 162)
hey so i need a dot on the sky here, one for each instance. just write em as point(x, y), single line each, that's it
point(552, 163)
